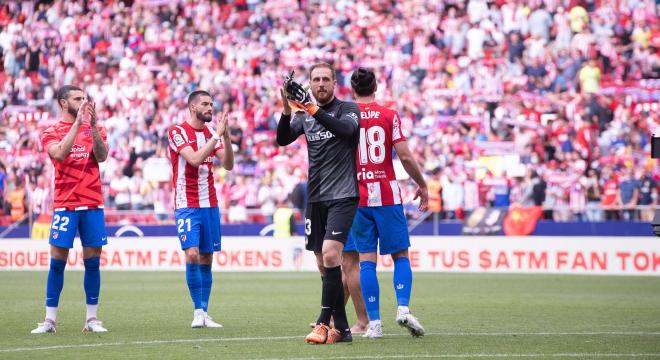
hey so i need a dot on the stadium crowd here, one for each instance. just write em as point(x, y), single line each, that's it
point(534, 102)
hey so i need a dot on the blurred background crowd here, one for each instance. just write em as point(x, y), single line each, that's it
point(547, 103)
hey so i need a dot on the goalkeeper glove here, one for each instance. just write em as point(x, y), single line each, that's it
point(298, 95)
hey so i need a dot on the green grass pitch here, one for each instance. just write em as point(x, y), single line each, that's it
point(266, 315)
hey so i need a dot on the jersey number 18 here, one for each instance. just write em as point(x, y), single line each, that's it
point(372, 145)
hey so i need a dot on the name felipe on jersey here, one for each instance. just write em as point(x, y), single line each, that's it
point(321, 135)
point(369, 114)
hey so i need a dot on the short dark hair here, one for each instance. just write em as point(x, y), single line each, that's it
point(197, 93)
point(363, 81)
point(322, 65)
point(63, 92)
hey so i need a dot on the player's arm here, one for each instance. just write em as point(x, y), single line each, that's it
point(227, 156)
point(286, 133)
point(100, 149)
point(343, 127)
point(60, 150)
point(196, 158)
point(410, 165)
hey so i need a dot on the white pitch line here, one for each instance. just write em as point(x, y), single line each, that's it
point(585, 333)
point(271, 338)
point(482, 355)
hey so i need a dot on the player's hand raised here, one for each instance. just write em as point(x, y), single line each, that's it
point(423, 195)
point(222, 124)
point(82, 110)
point(286, 108)
point(92, 113)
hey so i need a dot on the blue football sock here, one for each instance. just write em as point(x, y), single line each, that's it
point(194, 279)
point(55, 282)
point(370, 291)
point(207, 283)
point(402, 280)
point(92, 281)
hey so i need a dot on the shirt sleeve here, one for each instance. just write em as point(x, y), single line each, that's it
point(397, 133)
point(48, 137)
point(288, 129)
point(176, 139)
point(344, 127)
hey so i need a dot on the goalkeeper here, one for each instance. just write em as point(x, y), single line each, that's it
point(331, 127)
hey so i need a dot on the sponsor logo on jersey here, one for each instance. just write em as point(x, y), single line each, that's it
point(183, 238)
point(55, 235)
point(354, 117)
point(321, 135)
point(178, 139)
point(364, 174)
point(77, 148)
point(79, 151)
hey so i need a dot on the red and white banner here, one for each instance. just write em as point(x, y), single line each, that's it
point(551, 255)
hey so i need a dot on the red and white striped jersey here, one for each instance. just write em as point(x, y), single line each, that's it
point(380, 129)
point(193, 186)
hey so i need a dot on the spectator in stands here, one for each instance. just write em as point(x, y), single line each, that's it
point(283, 221)
point(592, 185)
point(17, 201)
point(501, 187)
point(120, 190)
point(452, 196)
point(648, 194)
point(629, 194)
point(610, 199)
point(3, 182)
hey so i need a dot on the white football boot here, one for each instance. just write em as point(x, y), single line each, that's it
point(48, 326)
point(209, 322)
point(375, 331)
point(198, 320)
point(410, 322)
point(94, 325)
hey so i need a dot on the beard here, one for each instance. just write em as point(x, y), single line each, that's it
point(72, 111)
point(323, 97)
point(204, 118)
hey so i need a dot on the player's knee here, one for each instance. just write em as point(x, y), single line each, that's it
point(57, 265)
point(192, 256)
point(400, 254)
point(206, 259)
point(331, 258)
point(349, 261)
point(371, 257)
point(92, 264)
point(59, 253)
